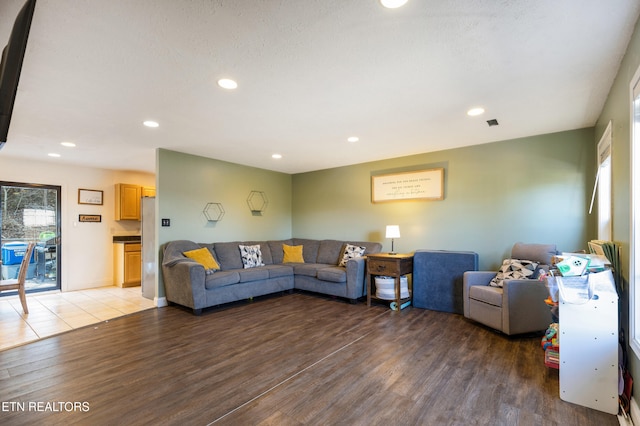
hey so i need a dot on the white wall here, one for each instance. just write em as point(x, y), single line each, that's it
point(86, 253)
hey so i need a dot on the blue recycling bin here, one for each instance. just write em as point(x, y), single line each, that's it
point(12, 253)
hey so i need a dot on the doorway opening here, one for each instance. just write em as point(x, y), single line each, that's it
point(30, 213)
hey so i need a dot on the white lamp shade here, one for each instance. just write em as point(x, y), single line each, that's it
point(393, 231)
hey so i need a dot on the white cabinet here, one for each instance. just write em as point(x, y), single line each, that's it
point(589, 343)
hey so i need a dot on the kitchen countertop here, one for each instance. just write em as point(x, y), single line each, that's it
point(126, 239)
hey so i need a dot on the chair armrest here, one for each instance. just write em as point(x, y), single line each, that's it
point(523, 306)
point(516, 290)
point(472, 278)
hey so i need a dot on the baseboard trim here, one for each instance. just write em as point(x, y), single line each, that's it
point(160, 302)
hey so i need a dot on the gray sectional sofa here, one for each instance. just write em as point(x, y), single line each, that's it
point(187, 283)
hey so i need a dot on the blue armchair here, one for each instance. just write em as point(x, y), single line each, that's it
point(518, 306)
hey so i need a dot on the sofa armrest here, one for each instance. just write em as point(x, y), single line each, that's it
point(355, 278)
point(523, 306)
point(184, 283)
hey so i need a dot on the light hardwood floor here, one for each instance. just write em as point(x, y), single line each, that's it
point(56, 312)
point(290, 360)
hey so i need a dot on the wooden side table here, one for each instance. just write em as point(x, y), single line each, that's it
point(390, 265)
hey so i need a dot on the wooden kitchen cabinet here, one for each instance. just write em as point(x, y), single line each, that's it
point(148, 191)
point(128, 264)
point(128, 201)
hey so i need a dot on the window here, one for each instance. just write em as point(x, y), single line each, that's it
point(604, 185)
point(634, 270)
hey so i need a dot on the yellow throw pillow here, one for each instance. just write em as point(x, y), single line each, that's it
point(292, 254)
point(204, 257)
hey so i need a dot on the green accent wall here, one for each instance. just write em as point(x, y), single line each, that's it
point(186, 183)
point(535, 189)
point(617, 109)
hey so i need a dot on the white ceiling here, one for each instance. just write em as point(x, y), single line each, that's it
point(311, 73)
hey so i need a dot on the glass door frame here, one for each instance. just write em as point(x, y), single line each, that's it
point(58, 190)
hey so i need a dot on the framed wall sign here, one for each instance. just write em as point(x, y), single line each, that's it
point(90, 196)
point(89, 218)
point(417, 185)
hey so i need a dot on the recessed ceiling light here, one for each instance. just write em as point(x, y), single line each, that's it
point(393, 4)
point(353, 139)
point(53, 154)
point(276, 156)
point(227, 83)
point(68, 144)
point(475, 111)
point(151, 123)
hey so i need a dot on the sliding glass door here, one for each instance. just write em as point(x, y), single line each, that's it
point(31, 213)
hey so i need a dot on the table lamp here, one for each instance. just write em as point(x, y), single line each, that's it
point(393, 231)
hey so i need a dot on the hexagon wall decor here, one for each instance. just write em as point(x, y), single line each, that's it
point(213, 212)
point(257, 202)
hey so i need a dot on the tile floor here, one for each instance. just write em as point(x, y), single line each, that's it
point(56, 312)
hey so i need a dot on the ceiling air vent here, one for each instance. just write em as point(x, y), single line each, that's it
point(492, 122)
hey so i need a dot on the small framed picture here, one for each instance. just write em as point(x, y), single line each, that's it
point(90, 196)
point(90, 218)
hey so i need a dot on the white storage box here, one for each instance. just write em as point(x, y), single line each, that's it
point(385, 288)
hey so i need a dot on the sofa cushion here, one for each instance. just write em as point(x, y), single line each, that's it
point(330, 251)
point(221, 279)
point(334, 274)
point(486, 294)
point(275, 247)
point(514, 269)
point(292, 254)
point(251, 256)
point(308, 269)
point(228, 255)
point(309, 249)
point(276, 271)
point(253, 274)
point(204, 257)
point(351, 252)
